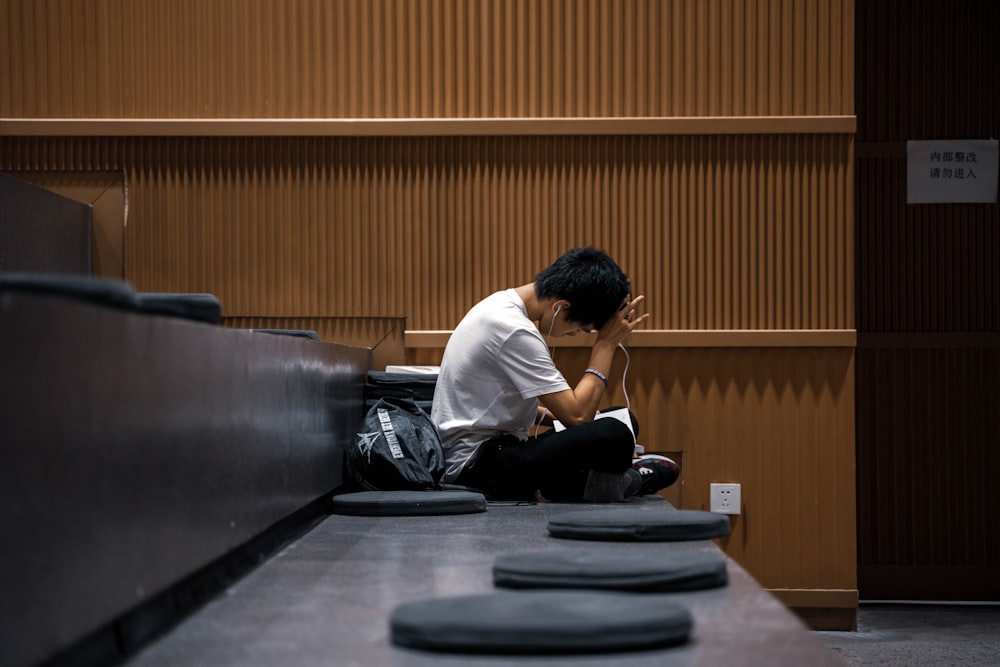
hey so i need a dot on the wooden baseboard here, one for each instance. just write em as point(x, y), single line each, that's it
point(825, 618)
point(822, 609)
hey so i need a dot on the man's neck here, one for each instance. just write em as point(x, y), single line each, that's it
point(532, 305)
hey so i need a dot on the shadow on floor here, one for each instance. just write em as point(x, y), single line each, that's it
point(891, 635)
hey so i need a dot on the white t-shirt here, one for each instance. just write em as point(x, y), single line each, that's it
point(494, 368)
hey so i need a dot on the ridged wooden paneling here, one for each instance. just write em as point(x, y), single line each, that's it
point(718, 232)
point(927, 461)
point(929, 72)
point(447, 58)
point(779, 422)
point(927, 69)
point(923, 268)
point(928, 308)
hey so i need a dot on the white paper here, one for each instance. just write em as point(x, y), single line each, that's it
point(415, 370)
point(952, 171)
point(621, 414)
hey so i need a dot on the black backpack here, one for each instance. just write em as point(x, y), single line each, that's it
point(397, 448)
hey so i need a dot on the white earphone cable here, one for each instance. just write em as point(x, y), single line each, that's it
point(628, 404)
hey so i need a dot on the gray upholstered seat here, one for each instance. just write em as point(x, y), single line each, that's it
point(409, 503)
point(92, 289)
point(627, 569)
point(308, 334)
point(198, 307)
point(640, 525)
point(538, 622)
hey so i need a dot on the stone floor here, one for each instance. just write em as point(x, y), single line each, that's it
point(913, 635)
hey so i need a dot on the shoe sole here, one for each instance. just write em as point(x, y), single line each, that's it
point(654, 457)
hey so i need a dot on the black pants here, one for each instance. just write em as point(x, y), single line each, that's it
point(555, 464)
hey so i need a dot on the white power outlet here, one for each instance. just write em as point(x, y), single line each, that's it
point(725, 498)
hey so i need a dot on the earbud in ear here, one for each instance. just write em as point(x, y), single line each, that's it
point(558, 310)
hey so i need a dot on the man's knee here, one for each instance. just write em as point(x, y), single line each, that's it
point(631, 416)
point(612, 432)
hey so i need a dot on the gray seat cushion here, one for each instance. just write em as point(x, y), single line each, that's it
point(540, 622)
point(640, 525)
point(626, 569)
point(308, 334)
point(92, 289)
point(198, 307)
point(409, 503)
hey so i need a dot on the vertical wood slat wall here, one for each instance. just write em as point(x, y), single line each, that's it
point(726, 232)
point(720, 231)
point(446, 58)
point(928, 279)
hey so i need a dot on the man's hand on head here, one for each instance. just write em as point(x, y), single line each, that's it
point(621, 324)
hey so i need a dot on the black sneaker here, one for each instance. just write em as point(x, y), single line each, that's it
point(657, 472)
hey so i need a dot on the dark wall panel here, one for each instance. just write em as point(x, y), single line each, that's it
point(928, 308)
point(923, 268)
point(42, 231)
point(926, 472)
point(926, 69)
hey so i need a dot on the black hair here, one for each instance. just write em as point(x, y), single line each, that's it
point(590, 280)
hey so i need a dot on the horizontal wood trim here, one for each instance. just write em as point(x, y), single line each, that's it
point(890, 150)
point(930, 340)
point(684, 338)
point(423, 127)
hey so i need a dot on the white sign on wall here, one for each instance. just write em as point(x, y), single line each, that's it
point(951, 171)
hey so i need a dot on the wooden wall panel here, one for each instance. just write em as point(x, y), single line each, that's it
point(444, 58)
point(719, 232)
point(778, 421)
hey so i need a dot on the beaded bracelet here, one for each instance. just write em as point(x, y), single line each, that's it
point(602, 376)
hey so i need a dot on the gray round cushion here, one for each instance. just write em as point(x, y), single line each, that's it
point(626, 570)
point(409, 503)
point(540, 622)
point(93, 289)
point(197, 307)
point(308, 334)
point(626, 525)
